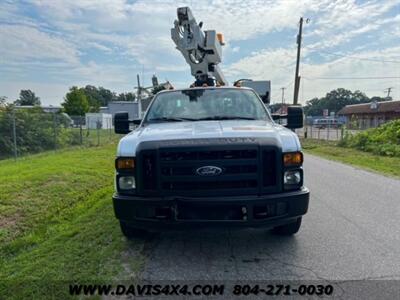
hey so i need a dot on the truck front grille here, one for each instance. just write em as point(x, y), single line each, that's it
point(149, 170)
point(246, 170)
point(269, 168)
point(179, 171)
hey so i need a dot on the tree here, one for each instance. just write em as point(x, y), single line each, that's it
point(157, 89)
point(98, 97)
point(76, 102)
point(93, 98)
point(106, 96)
point(334, 101)
point(380, 99)
point(3, 100)
point(27, 97)
point(126, 97)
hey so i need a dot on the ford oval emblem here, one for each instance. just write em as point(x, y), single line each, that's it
point(209, 171)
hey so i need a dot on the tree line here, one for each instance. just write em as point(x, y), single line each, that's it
point(78, 100)
point(333, 101)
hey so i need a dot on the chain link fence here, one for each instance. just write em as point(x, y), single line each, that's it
point(27, 131)
point(315, 132)
point(334, 133)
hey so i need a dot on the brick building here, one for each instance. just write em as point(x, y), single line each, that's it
point(371, 114)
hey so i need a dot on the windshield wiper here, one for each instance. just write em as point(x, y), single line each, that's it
point(225, 118)
point(171, 119)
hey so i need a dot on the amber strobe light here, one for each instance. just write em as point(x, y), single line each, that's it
point(125, 163)
point(220, 38)
point(292, 159)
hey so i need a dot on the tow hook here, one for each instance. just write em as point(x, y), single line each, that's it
point(244, 212)
point(174, 210)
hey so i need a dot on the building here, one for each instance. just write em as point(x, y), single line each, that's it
point(371, 114)
point(132, 107)
point(135, 109)
point(98, 121)
point(47, 109)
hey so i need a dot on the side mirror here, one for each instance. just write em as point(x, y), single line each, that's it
point(294, 117)
point(121, 123)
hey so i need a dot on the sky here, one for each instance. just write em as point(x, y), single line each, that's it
point(50, 45)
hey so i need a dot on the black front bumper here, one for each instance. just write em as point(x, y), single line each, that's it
point(160, 213)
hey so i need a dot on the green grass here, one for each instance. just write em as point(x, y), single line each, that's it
point(58, 225)
point(327, 149)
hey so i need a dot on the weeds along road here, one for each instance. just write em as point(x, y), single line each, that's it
point(352, 231)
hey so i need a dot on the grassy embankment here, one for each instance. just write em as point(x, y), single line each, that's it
point(382, 164)
point(57, 224)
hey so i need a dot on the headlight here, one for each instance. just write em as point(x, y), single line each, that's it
point(127, 182)
point(292, 179)
point(125, 175)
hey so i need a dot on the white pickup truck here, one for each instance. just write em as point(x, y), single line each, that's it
point(209, 156)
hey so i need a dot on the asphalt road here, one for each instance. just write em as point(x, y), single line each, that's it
point(352, 231)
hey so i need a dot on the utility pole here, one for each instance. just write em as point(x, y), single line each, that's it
point(297, 77)
point(283, 96)
point(388, 90)
point(139, 90)
point(139, 96)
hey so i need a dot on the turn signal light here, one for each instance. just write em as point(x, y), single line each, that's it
point(125, 163)
point(292, 159)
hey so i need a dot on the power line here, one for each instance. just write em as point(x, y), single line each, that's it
point(361, 58)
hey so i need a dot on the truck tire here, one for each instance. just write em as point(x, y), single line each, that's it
point(288, 229)
point(131, 232)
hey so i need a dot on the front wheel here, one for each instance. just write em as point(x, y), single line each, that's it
point(131, 232)
point(288, 229)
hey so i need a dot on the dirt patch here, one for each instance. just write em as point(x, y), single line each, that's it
point(9, 221)
point(56, 180)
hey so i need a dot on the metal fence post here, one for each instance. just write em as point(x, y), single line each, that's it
point(14, 135)
point(341, 132)
point(329, 129)
point(98, 126)
point(110, 125)
point(80, 129)
point(55, 131)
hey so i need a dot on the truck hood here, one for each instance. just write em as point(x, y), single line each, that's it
point(208, 130)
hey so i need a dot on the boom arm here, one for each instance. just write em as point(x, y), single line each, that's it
point(201, 50)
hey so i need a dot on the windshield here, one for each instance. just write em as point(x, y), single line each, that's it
point(207, 104)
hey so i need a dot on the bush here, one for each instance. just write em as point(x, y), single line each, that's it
point(36, 131)
point(383, 140)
